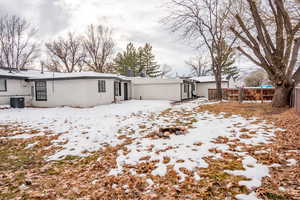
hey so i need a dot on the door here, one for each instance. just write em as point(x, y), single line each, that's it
point(125, 91)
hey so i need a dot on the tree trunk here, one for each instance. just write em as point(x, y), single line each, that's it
point(219, 90)
point(282, 96)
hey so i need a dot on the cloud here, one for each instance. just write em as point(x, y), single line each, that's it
point(132, 21)
point(52, 17)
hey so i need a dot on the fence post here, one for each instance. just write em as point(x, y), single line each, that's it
point(262, 94)
point(241, 95)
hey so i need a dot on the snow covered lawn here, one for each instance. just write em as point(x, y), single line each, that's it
point(213, 143)
point(80, 130)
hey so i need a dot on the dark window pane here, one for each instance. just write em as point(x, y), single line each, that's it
point(41, 90)
point(3, 85)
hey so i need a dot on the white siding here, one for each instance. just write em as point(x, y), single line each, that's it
point(202, 88)
point(16, 88)
point(232, 83)
point(76, 93)
point(122, 97)
point(170, 91)
point(156, 89)
point(188, 93)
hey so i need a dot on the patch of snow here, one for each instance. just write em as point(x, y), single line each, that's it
point(25, 136)
point(275, 165)
point(29, 146)
point(292, 162)
point(149, 181)
point(282, 189)
point(4, 106)
point(251, 196)
point(253, 171)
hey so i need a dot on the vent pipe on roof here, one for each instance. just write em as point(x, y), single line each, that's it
point(42, 67)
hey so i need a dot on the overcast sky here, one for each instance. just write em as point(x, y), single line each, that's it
point(136, 21)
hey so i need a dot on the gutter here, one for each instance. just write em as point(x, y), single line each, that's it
point(13, 77)
point(77, 77)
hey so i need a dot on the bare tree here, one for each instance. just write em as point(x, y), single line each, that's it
point(204, 21)
point(99, 46)
point(65, 55)
point(256, 78)
point(199, 65)
point(273, 42)
point(17, 48)
point(165, 71)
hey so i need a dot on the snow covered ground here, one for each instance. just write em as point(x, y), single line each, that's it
point(88, 130)
point(83, 130)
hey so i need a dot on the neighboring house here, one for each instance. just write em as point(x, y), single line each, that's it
point(203, 83)
point(161, 89)
point(84, 89)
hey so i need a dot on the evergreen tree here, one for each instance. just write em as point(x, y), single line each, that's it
point(152, 69)
point(127, 61)
point(226, 59)
point(140, 60)
point(137, 61)
point(230, 70)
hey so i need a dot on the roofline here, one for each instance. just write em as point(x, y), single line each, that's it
point(209, 81)
point(77, 77)
point(13, 77)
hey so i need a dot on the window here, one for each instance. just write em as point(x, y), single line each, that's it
point(116, 88)
point(3, 86)
point(101, 86)
point(32, 91)
point(185, 88)
point(41, 90)
point(120, 89)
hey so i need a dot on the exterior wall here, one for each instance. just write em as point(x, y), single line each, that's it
point(232, 83)
point(16, 87)
point(139, 80)
point(202, 88)
point(157, 91)
point(188, 93)
point(76, 93)
point(122, 97)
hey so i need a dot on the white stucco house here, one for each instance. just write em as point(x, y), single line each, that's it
point(203, 83)
point(161, 89)
point(84, 89)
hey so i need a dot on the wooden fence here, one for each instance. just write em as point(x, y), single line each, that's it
point(243, 94)
point(297, 100)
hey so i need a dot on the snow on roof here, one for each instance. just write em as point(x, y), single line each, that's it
point(37, 75)
point(206, 79)
point(141, 80)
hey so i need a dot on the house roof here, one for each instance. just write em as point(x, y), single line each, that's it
point(37, 75)
point(207, 79)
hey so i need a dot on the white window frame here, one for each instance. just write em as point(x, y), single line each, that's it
point(101, 86)
point(39, 90)
point(5, 85)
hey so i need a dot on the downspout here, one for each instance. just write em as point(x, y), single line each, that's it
point(180, 91)
point(53, 83)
